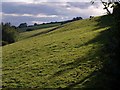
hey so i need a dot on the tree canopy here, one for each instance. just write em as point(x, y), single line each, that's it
point(9, 33)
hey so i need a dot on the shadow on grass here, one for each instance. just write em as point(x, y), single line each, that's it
point(45, 32)
point(104, 21)
point(101, 39)
point(107, 76)
point(82, 80)
point(102, 78)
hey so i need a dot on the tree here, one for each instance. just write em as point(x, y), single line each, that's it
point(35, 24)
point(22, 25)
point(91, 16)
point(110, 3)
point(9, 33)
point(116, 11)
point(76, 18)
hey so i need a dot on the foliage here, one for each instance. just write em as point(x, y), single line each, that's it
point(22, 25)
point(116, 11)
point(74, 19)
point(108, 4)
point(9, 33)
point(116, 31)
point(29, 30)
point(35, 24)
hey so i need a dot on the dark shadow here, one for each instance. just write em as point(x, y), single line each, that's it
point(104, 21)
point(102, 78)
point(72, 65)
point(45, 32)
point(99, 39)
point(76, 63)
point(78, 82)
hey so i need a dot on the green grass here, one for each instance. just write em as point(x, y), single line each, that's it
point(28, 34)
point(68, 57)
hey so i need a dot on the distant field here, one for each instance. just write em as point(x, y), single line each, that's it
point(42, 26)
point(68, 57)
point(33, 33)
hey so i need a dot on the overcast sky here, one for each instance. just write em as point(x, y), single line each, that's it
point(34, 11)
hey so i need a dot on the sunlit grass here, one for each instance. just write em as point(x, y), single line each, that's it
point(56, 59)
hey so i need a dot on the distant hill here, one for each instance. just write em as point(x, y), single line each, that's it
point(44, 25)
point(39, 26)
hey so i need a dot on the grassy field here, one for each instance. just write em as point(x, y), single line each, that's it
point(68, 57)
point(28, 34)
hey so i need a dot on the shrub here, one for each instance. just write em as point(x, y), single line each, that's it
point(9, 34)
point(29, 29)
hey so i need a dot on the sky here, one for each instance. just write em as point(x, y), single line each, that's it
point(38, 11)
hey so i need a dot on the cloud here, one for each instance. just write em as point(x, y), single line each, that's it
point(16, 13)
point(22, 8)
point(80, 5)
point(16, 19)
point(29, 15)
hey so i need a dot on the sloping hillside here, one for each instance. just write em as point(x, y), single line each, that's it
point(68, 57)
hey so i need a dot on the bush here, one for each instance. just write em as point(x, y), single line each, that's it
point(4, 43)
point(22, 25)
point(9, 34)
point(29, 29)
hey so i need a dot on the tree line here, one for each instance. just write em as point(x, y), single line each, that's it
point(23, 25)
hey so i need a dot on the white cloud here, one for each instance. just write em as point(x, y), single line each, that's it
point(84, 12)
point(43, 15)
point(29, 15)
point(68, 8)
point(38, 22)
point(0, 16)
point(10, 15)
